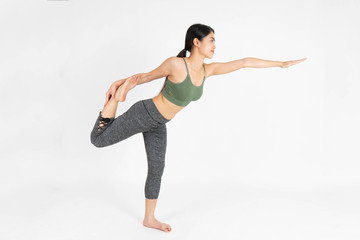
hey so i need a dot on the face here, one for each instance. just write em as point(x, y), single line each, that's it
point(207, 46)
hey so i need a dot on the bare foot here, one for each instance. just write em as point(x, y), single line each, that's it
point(154, 223)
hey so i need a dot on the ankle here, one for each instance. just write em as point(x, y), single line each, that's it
point(105, 116)
point(149, 218)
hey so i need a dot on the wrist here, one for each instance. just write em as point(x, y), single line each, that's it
point(143, 78)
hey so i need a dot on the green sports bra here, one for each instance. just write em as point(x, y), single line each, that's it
point(183, 93)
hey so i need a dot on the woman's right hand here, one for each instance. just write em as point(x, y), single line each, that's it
point(112, 90)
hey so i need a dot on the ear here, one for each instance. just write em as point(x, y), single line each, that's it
point(196, 42)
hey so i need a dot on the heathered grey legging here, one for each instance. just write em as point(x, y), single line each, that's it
point(142, 116)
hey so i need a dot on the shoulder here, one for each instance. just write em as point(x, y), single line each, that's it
point(177, 60)
point(174, 59)
point(177, 69)
point(179, 66)
point(177, 63)
point(174, 62)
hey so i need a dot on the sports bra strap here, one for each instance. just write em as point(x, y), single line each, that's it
point(188, 69)
point(186, 65)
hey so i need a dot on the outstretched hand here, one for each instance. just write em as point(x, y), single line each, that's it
point(292, 62)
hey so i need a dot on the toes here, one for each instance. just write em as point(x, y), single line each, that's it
point(168, 227)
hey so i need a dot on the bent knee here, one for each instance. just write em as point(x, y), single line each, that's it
point(98, 145)
point(96, 142)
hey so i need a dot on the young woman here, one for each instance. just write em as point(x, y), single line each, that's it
point(150, 116)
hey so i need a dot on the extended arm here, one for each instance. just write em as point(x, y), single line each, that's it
point(217, 68)
point(162, 71)
point(159, 72)
point(261, 63)
point(144, 78)
point(128, 83)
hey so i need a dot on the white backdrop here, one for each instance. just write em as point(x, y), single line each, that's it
point(256, 128)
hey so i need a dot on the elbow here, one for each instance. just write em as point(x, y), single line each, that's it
point(246, 62)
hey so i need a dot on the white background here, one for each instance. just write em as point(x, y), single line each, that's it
point(266, 153)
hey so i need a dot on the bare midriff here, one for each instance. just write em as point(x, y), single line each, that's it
point(165, 107)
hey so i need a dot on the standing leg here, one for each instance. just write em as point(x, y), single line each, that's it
point(155, 146)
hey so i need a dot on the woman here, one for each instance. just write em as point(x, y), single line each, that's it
point(150, 116)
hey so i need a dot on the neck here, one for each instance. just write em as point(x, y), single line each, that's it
point(195, 61)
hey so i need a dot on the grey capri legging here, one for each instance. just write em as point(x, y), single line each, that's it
point(143, 116)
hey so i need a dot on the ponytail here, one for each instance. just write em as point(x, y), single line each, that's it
point(182, 53)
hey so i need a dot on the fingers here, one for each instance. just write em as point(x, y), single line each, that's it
point(292, 62)
point(301, 60)
point(107, 96)
point(107, 99)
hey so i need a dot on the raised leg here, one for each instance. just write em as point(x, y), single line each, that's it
point(108, 131)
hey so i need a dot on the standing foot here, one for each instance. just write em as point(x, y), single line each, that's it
point(154, 223)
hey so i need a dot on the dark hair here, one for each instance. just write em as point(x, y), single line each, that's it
point(196, 30)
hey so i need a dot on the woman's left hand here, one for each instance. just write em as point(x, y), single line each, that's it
point(292, 62)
